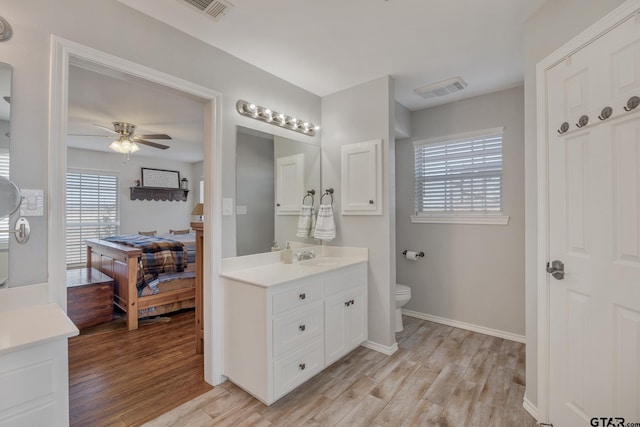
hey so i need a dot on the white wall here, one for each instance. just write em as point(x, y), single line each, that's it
point(470, 273)
point(363, 113)
point(555, 23)
point(148, 42)
point(139, 215)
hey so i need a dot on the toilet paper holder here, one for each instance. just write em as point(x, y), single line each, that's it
point(420, 254)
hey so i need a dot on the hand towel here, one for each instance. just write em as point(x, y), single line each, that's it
point(325, 225)
point(305, 226)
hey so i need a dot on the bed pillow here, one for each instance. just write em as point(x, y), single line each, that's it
point(179, 231)
point(148, 233)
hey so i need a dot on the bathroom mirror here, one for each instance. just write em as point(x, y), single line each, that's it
point(8, 191)
point(259, 219)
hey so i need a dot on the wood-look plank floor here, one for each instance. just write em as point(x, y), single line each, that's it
point(121, 378)
point(440, 376)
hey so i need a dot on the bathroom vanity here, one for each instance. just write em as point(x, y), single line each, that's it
point(33, 366)
point(284, 323)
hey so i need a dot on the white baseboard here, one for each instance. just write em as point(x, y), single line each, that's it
point(530, 408)
point(388, 350)
point(468, 326)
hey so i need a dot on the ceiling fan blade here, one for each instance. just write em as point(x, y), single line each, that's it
point(150, 144)
point(93, 136)
point(109, 129)
point(154, 136)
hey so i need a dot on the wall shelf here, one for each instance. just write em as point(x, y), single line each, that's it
point(158, 193)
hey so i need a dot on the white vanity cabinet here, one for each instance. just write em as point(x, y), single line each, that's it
point(276, 336)
point(34, 367)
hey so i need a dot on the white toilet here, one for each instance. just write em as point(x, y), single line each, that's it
point(403, 295)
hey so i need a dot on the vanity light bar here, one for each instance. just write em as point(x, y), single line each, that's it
point(266, 115)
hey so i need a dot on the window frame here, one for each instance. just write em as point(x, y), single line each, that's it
point(469, 217)
point(116, 175)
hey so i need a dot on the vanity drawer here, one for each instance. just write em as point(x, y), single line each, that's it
point(309, 292)
point(295, 369)
point(297, 329)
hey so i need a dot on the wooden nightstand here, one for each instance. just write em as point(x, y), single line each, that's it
point(89, 297)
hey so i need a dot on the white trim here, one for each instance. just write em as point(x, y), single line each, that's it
point(62, 52)
point(530, 408)
point(486, 219)
point(468, 326)
point(460, 136)
point(388, 350)
point(595, 31)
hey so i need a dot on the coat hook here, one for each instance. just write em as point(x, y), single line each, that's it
point(564, 127)
point(583, 121)
point(632, 103)
point(605, 113)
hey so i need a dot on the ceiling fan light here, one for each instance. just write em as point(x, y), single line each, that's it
point(117, 147)
point(134, 147)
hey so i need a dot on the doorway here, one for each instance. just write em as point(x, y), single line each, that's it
point(64, 53)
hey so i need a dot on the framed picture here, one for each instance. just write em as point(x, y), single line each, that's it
point(160, 178)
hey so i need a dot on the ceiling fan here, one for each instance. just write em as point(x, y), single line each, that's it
point(127, 141)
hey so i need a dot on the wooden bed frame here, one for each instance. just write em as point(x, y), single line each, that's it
point(121, 263)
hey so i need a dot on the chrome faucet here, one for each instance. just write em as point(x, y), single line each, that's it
point(302, 255)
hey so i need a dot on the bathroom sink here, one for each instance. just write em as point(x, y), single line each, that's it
point(325, 261)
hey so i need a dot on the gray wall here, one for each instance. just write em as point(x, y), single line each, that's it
point(147, 42)
point(555, 23)
point(139, 215)
point(363, 113)
point(255, 190)
point(470, 273)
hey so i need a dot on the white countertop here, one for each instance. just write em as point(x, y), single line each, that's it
point(33, 325)
point(278, 272)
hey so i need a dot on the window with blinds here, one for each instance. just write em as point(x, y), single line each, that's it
point(4, 223)
point(92, 212)
point(459, 175)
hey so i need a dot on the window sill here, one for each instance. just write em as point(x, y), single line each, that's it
point(480, 219)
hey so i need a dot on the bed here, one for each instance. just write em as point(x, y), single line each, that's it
point(152, 275)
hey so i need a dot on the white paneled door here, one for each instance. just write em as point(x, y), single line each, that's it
point(594, 229)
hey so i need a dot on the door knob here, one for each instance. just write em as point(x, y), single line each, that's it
point(556, 269)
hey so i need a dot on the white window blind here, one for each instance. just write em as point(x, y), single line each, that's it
point(459, 175)
point(92, 211)
point(4, 223)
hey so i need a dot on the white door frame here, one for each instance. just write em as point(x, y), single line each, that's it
point(603, 26)
point(62, 52)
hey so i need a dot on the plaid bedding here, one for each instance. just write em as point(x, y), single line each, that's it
point(159, 255)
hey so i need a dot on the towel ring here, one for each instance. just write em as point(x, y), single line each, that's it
point(327, 192)
point(310, 193)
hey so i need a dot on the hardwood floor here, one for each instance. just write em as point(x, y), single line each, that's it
point(440, 376)
point(120, 378)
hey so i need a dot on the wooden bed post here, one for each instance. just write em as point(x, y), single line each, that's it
point(132, 294)
point(198, 227)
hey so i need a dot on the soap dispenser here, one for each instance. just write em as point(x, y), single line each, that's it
point(287, 254)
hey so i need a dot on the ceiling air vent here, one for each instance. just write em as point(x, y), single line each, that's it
point(214, 8)
point(443, 88)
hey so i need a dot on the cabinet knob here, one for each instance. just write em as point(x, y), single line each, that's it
point(370, 202)
point(302, 366)
point(302, 296)
point(347, 303)
point(278, 204)
point(302, 327)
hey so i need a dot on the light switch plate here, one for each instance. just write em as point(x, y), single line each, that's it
point(227, 206)
point(32, 202)
point(241, 210)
